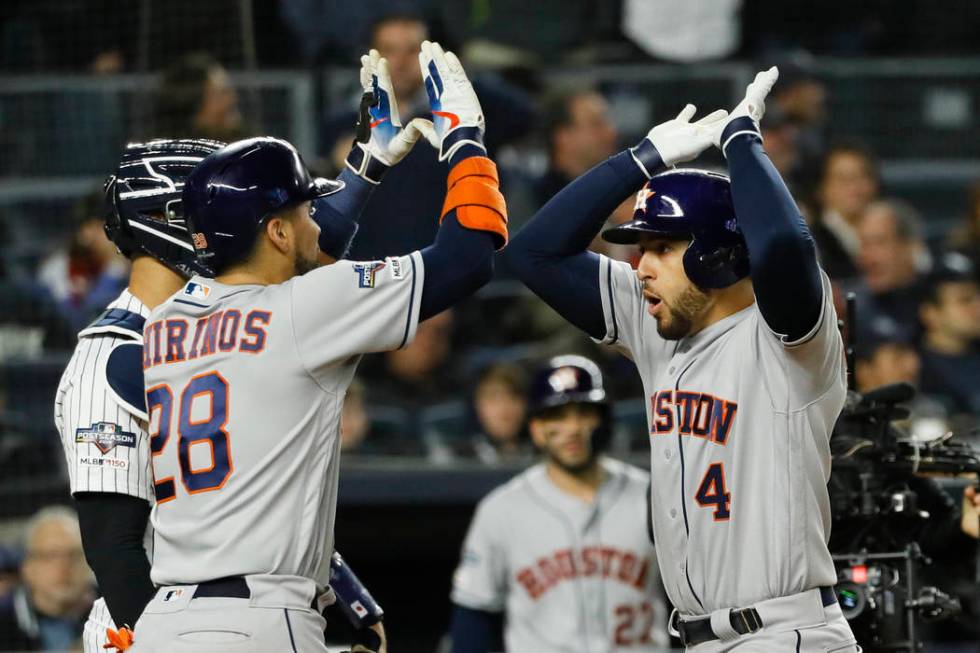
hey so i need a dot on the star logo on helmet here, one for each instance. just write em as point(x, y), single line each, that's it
point(642, 197)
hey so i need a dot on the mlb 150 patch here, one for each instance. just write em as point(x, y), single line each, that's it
point(106, 436)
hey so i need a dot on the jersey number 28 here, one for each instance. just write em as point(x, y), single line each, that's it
point(212, 388)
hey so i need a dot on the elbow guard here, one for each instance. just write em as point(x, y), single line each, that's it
point(354, 600)
point(474, 193)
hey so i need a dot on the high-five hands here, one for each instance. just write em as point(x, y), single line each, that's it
point(379, 134)
point(456, 112)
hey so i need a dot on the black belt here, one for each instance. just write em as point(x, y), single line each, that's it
point(743, 621)
point(230, 587)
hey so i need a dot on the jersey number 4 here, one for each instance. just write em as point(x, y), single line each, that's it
point(712, 492)
point(213, 389)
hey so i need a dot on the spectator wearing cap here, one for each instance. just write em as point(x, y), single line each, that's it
point(195, 99)
point(848, 184)
point(890, 259)
point(950, 314)
point(885, 354)
point(47, 612)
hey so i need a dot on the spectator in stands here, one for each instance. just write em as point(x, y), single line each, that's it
point(499, 408)
point(892, 254)
point(418, 374)
point(885, 354)
point(966, 238)
point(950, 314)
point(580, 133)
point(402, 214)
point(848, 184)
point(48, 611)
point(361, 436)
point(195, 99)
point(782, 138)
point(84, 276)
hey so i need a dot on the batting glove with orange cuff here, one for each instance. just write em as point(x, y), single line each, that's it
point(456, 112)
point(379, 139)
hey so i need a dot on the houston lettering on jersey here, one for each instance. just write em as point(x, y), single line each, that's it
point(173, 340)
point(693, 413)
point(597, 561)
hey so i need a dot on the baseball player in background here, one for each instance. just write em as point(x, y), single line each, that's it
point(731, 325)
point(560, 559)
point(100, 409)
point(246, 372)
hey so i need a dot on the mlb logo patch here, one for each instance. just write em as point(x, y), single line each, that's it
point(366, 273)
point(173, 595)
point(200, 242)
point(198, 290)
point(106, 436)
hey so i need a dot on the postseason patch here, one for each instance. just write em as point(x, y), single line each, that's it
point(106, 436)
point(366, 273)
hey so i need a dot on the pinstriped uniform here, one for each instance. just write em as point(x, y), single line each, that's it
point(86, 399)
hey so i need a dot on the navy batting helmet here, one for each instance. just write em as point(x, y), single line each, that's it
point(144, 212)
point(235, 189)
point(568, 380)
point(693, 203)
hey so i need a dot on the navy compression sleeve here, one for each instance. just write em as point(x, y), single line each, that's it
point(785, 274)
point(550, 254)
point(337, 214)
point(476, 631)
point(456, 265)
point(113, 527)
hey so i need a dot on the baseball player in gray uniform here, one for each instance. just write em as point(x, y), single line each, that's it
point(731, 325)
point(99, 408)
point(246, 372)
point(561, 554)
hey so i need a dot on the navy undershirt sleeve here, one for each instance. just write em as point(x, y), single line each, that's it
point(784, 269)
point(113, 527)
point(476, 631)
point(337, 214)
point(456, 265)
point(550, 254)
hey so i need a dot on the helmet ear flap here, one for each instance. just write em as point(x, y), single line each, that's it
point(715, 267)
point(116, 229)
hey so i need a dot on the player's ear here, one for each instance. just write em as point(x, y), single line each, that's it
point(536, 429)
point(280, 233)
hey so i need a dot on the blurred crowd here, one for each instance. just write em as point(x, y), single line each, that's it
point(456, 392)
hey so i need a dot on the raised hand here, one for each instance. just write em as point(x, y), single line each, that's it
point(456, 112)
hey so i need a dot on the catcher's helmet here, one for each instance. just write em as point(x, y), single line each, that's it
point(693, 203)
point(233, 190)
point(144, 212)
point(571, 380)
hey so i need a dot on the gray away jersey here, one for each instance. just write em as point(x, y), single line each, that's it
point(571, 576)
point(244, 391)
point(740, 424)
point(100, 413)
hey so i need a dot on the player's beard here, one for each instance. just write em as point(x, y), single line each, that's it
point(677, 320)
point(302, 265)
point(577, 468)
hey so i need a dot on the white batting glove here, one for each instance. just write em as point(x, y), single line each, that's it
point(456, 112)
point(753, 106)
point(380, 141)
point(677, 140)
